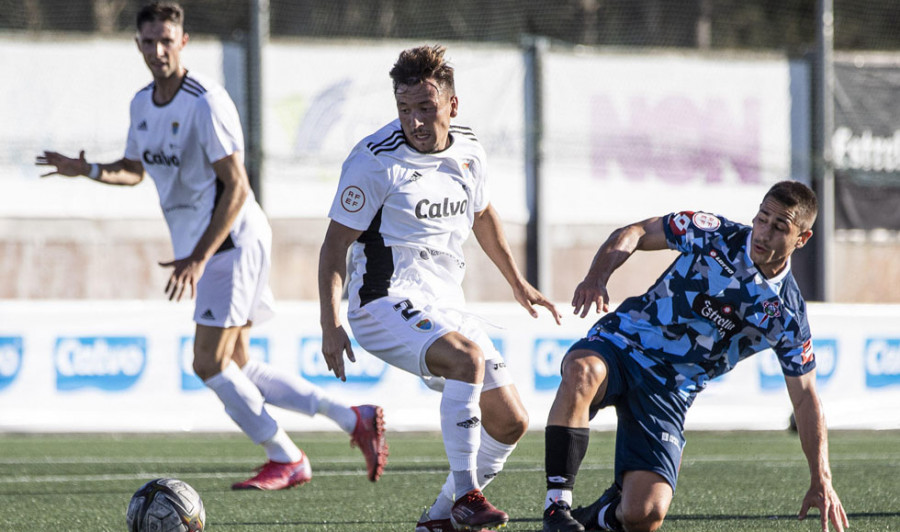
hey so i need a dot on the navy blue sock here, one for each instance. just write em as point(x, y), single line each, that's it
point(564, 449)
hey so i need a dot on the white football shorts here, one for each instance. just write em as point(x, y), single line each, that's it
point(391, 329)
point(234, 289)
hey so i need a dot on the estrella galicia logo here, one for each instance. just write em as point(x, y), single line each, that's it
point(10, 359)
point(547, 355)
point(367, 370)
point(110, 363)
point(771, 376)
point(259, 350)
point(882, 356)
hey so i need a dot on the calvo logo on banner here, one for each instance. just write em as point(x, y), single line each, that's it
point(109, 363)
point(10, 359)
point(772, 378)
point(259, 350)
point(367, 370)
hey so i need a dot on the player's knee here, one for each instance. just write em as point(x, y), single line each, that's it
point(645, 518)
point(515, 427)
point(586, 372)
point(468, 363)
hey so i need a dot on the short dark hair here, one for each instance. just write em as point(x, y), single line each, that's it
point(422, 63)
point(161, 12)
point(794, 194)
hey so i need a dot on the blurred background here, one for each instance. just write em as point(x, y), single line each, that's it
point(594, 114)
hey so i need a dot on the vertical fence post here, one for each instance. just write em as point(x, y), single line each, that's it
point(256, 41)
point(537, 251)
point(824, 157)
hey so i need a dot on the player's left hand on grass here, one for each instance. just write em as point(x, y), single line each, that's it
point(830, 508)
point(528, 296)
point(185, 273)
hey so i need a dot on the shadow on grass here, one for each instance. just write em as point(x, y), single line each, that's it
point(713, 517)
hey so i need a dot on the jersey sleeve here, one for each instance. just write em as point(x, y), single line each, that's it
point(219, 126)
point(132, 148)
point(362, 189)
point(481, 197)
point(689, 231)
point(795, 347)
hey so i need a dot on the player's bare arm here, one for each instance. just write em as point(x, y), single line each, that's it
point(121, 172)
point(332, 272)
point(814, 441)
point(186, 272)
point(646, 235)
point(489, 232)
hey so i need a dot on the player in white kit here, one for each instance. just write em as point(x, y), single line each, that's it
point(185, 132)
point(409, 196)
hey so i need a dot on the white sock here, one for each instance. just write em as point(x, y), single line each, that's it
point(557, 496)
point(280, 448)
point(293, 392)
point(491, 457)
point(461, 429)
point(245, 405)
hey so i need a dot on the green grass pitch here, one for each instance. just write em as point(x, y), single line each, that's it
point(730, 481)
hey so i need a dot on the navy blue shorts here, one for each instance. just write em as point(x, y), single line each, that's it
point(650, 429)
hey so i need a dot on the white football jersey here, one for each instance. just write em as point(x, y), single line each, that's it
point(415, 210)
point(177, 144)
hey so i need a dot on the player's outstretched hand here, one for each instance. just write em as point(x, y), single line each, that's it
point(334, 342)
point(830, 508)
point(528, 296)
point(65, 166)
point(185, 273)
point(590, 292)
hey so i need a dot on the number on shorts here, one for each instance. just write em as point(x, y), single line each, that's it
point(406, 309)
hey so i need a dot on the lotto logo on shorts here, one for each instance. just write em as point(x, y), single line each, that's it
point(10, 359)
point(105, 363)
point(547, 355)
point(771, 376)
point(367, 370)
point(259, 350)
point(882, 356)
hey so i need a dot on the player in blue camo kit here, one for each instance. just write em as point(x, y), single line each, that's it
point(729, 295)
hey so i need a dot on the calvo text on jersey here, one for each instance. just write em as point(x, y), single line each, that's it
point(161, 158)
point(446, 208)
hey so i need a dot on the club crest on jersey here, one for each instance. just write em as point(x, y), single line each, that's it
point(706, 222)
point(772, 309)
point(423, 325)
point(352, 199)
point(175, 126)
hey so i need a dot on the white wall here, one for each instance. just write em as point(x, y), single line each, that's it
point(627, 135)
point(125, 366)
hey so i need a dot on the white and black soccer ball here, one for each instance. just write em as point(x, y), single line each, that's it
point(166, 505)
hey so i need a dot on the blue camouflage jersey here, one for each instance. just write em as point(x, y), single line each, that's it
point(710, 309)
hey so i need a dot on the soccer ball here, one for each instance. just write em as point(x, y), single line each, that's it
point(166, 505)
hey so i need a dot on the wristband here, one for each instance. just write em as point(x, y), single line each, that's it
point(95, 171)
